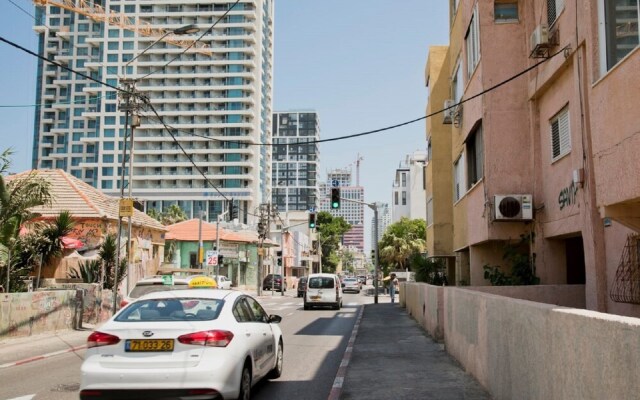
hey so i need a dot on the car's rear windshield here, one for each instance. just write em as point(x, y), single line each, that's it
point(140, 290)
point(321, 283)
point(350, 280)
point(182, 309)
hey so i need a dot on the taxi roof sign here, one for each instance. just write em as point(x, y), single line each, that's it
point(203, 282)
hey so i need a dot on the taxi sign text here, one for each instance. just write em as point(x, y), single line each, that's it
point(203, 282)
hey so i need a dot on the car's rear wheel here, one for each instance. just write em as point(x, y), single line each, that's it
point(276, 372)
point(306, 306)
point(245, 384)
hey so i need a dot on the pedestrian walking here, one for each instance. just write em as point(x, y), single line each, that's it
point(393, 287)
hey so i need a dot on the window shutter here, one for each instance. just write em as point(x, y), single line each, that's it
point(560, 135)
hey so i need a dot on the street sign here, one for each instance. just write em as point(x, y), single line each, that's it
point(212, 257)
point(335, 183)
point(126, 208)
point(167, 280)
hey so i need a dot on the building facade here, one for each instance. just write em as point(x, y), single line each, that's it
point(384, 220)
point(296, 160)
point(408, 191)
point(352, 212)
point(215, 102)
point(543, 164)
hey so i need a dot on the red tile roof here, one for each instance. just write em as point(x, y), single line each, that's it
point(81, 199)
point(187, 231)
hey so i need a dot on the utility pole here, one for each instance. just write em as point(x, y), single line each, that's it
point(263, 229)
point(200, 245)
point(374, 207)
point(218, 243)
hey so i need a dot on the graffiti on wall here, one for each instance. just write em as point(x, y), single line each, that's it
point(90, 232)
point(568, 195)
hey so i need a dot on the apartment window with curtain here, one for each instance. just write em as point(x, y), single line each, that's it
point(554, 7)
point(457, 85)
point(472, 42)
point(560, 134)
point(404, 198)
point(620, 29)
point(403, 178)
point(395, 198)
point(459, 184)
point(475, 157)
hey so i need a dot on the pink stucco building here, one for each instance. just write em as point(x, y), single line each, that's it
point(549, 154)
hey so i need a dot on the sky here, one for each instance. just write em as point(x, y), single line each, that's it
point(358, 63)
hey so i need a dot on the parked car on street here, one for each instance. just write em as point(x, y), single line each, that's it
point(274, 282)
point(223, 282)
point(195, 344)
point(323, 290)
point(362, 279)
point(351, 285)
point(302, 286)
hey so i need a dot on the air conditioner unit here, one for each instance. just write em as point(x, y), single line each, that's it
point(449, 111)
point(513, 207)
point(539, 40)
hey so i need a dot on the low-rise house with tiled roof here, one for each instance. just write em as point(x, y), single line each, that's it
point(239, 248)
point(96, 215)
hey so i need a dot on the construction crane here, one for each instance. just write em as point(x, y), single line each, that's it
point(97, 13)
point(357, 164)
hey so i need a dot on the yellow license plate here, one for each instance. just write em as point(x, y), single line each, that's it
point(141, 345)
point(315, 297)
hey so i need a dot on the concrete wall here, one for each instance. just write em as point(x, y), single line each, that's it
point(519, 349)
point(24, 314)
point(31, 313)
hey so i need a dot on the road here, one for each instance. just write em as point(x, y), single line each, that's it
point(315, 342)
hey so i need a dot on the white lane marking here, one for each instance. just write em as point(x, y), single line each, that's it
point(27, 397)
point(290, 314)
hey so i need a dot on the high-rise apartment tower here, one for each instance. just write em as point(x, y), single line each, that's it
point(217, 105)
point(295, 160)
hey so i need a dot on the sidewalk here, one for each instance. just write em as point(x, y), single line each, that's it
point(393, 358)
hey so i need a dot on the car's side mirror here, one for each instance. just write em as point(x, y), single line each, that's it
point(274, 319)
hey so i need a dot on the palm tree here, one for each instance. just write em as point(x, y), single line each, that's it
point(17, 197)
point(402, 240)
point(107, 256)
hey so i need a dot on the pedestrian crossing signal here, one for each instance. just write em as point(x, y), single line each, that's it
point(335, 198)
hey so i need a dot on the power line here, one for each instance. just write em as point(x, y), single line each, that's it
point(366, 133)
point(169, 130)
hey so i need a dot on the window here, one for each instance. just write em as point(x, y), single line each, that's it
point(430, 212)
point(259, 315)
point(505, 10)
point(395, 200)
point(554, 7)
point(429, 154)
point(458, 178)
point(621, 29)
point(403, 177)
point(241, 311)
point(457, 86)
point(404, 198)
point(472, 42)
point(475, 170)
point(560, 135)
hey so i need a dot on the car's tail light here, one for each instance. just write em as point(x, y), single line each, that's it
point(207, 338)
point(97, 339)
point(90, 393)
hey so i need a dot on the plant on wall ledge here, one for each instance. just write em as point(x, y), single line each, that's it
point(523, 266)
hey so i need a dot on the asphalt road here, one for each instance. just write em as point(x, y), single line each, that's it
point(315, 342)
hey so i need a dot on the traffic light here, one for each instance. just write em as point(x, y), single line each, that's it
point(279, 258)
point(335, 198)
point(312, 220)
point(220, 259)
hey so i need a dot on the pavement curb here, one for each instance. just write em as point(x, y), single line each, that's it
point(42, 357)
point(336, 389)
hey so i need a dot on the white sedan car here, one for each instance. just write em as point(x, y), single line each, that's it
point(186, 344)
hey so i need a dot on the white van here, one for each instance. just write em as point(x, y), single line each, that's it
point(323, 290)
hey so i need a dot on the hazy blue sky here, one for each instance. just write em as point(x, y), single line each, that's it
point(358, 63)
